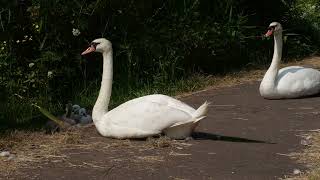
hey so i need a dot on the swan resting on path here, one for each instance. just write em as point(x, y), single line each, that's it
point(288, 82)
point(141, 117)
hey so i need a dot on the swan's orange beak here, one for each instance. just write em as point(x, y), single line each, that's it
point(269, 33)
point(89, 50)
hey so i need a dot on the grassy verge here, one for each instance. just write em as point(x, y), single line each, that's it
point(185, 86)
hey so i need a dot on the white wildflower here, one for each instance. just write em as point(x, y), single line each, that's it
point(31, 65)
point(18, 41)
point(50, 73)
point(75, 32)
point(37, 26)
point(24, 40)
point(4, 42)
point(2, 48)
point(26, 36)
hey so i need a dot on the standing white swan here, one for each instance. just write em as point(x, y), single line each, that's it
point(141, 117)
point(288, 82)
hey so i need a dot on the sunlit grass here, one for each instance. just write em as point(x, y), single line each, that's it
point(88, 96)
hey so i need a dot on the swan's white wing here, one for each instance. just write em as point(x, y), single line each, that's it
point(149, 114)
point(298, 81)
point(169, 101)
point(288, 70)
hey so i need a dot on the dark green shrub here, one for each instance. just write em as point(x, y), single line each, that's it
point(156, 43)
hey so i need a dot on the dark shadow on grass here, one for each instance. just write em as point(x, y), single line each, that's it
point(217, 137)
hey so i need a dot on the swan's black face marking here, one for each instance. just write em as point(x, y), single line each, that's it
point(94, 44)
point(272, 27)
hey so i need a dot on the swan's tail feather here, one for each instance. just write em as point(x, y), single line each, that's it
point(201, 112)
point(184, 129)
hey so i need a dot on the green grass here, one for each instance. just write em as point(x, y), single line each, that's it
point(19, 112)
point(88, 96)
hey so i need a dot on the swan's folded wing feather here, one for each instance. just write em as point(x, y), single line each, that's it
point(169, 101)
point(298, 81)
point(148, 115)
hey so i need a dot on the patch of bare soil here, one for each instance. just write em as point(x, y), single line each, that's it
point(243, 137)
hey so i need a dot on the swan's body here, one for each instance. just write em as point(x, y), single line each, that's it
point(144, 116)
point(288, 82)
point(150, 115)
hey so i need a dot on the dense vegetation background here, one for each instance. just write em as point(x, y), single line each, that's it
point(159, 46)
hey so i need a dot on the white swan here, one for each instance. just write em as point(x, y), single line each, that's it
point(141, 117)
point(288, 82)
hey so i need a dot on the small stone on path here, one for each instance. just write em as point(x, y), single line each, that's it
point(304, 142)
point(11, 157)
point(296, 171)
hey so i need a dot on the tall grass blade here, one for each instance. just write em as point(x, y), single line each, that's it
point(49, 115)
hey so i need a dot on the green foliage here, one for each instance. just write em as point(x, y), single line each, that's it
point(157, 45)
point(306, 13)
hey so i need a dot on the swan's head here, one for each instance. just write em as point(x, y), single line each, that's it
point(274, 28)
point(101, 45)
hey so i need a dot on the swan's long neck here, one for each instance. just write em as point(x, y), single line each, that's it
point(101, 106)
point(271, 74)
